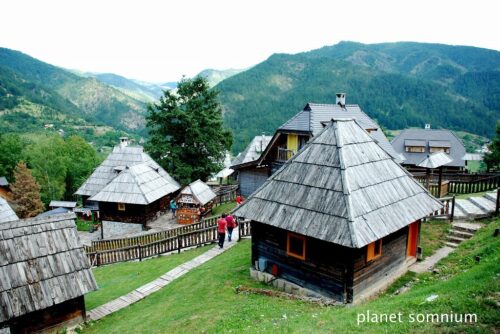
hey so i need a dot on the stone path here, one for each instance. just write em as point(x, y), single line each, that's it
point(475, 206)
point(164, 280)
point(430, 262)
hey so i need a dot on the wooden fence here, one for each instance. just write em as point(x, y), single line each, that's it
point(145, 239)
point(137, 248)
point(226, 194)
point(463, 183)
point(448, 210)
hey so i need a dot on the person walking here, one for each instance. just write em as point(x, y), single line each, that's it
point(173, 207)
point(221, 230)
point(231, 224)
point(239, 199)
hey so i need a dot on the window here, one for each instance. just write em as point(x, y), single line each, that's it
point(374, 250)
point(121, 206)
point(296, 246)
point(439, 149)
point(415, 149)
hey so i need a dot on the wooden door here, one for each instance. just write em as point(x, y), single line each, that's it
point(411, 249)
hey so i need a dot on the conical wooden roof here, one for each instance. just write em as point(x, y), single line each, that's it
point(342, 187)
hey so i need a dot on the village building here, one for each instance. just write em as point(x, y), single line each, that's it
point(295, 133)
point(5, 192)
point(62, 204)
point(128, 186)
point(340, 218)
point(6, 212)
point(417, 144)
point(194, 201)
point(248, 175)
point(44, 275)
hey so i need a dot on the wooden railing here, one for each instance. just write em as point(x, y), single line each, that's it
point(284, 155)
point(141, 251)
point(226, 194)
point(122, 243)
point(460, 184)
point(448, 209)
point(138, 248)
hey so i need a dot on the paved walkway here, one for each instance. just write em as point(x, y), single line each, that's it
point(430, 262)
point(164, 280)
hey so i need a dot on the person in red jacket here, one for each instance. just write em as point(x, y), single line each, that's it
point(221, 230)
point(239, 199)
point(231, 224)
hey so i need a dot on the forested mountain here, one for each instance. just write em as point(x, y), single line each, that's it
point(140, 90)
point(33, 93)
point(216, 76)
point(398, 84)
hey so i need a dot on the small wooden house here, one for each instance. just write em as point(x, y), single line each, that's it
point(6, 212)
point(128, 186)
point(136, 195)
point(341, 217)
point(417, 144)
point(192, 198)
point(44, 275)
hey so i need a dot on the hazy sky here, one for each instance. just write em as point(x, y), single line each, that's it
point(162, 40)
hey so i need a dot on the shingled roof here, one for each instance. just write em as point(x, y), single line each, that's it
point(200, 191)
point(138, 184)
point(42, 263)
point(6, 212)
point(253, 151)
point(428, 138)
point(311, 118)
point(342, 187)
point(120, 158)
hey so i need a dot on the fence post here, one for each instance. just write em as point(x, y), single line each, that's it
point(140, 252)
point(98, 258)
point(452, 209)
point(178, 244)
point(239, 230)
point(497, 207)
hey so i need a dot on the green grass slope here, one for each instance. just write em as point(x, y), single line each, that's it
point(398, 84)
point(205, 300)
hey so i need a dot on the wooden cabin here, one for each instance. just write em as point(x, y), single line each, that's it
point(44, 277)
point(128, 186)
point(294, 134)
point(137, 195)
point(341, 218)
point(192, 198)
point(417, 144)
point(6, 212)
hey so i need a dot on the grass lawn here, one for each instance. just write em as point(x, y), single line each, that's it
point(433, 235)
point(224, 208)
point(82, 225)
point(205, 301)
point(119, 279)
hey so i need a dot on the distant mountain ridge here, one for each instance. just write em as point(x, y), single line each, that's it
point(36, 91)
point(398, 84)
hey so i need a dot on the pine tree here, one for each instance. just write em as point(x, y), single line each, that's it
point(187, 136)
point(26, 192)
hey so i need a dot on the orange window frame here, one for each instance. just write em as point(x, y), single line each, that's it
point(121, 206)
point(374, 250)
point(291, 253)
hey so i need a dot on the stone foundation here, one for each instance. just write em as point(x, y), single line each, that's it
point(116, 229)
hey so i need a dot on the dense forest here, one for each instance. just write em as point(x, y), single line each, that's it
point(398, 84)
